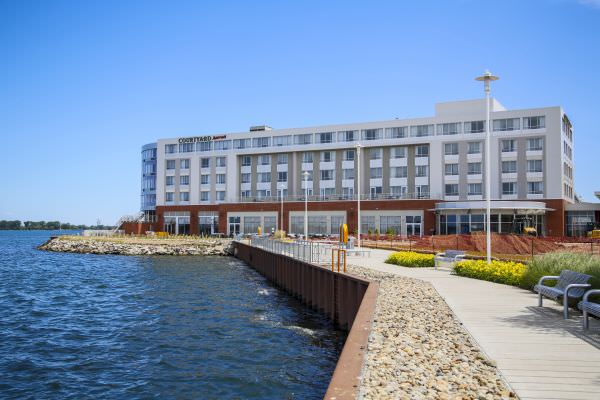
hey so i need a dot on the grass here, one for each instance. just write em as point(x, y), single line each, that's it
point(553, 263)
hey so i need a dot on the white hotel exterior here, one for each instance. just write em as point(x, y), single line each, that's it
point(418, 176)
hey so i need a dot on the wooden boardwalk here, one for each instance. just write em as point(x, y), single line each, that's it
point(540, 355)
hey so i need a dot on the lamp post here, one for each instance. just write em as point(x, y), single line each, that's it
point(305, 174)
point(486, 78)
point(358, 146)
point(281, 190)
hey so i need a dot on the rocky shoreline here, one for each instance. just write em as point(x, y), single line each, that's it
point(418, 349)
point(138, 246)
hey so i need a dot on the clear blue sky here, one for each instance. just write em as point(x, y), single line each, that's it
point(84, 84)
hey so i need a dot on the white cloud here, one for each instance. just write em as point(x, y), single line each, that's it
point(590, 3)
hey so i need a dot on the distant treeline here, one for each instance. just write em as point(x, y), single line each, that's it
point(45, 225)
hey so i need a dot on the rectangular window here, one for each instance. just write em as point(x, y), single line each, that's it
point(169, 196)
point(282, 159)
point(474, 189)
point(451, 189)
point(220, 179)
point(170, 164)
point(535, 144)
point(327, 156)
point(170, 148)
point(367, 223)
point(372, 134)
point(307, 157)
point(509, 167)
point(509, 124)
point(534, 122)
point(204, 179)
point(205, 163)
point(222, 144)
point(245, 194)
point(282, 177)
point(396, 133)
point(221, 161)
point(375, 154)
point(534, 166)
point(347, 174)
point(509, 188)
point(398, 192)
point(184, 180)
point(325, 137)
point(474, 126)
point(449, 129)
point(535, 187)
point(170, 180)
point(261, 142)
point(279, 141)
point(204, 196)
point(390, 224)
point(474, 168)
point(509, 146)
point(246, 161)
point(421, 170)
point(186, 147)
point(245, 178)
point(422, 151)
point(349, 155)
point(474, 148)
point(327, 174)
point(399, 152)
point(220, 195)
point(264, 159)
point(264, 177)
point(184, 163)
point(348, 136)
point(451, 169)
point(241, 143)
point(204, 146)
point(184, 196)
point(348, 192)
point(421, 130)
point(451, 149)
point(376, 173)
point(399, 172)
point(303, 139)
point(422, 191)
point(263, 194)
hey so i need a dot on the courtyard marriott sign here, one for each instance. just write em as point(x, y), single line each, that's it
point(201, 139)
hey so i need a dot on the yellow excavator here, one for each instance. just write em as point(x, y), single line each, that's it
point(593, 230)
point(524, 226)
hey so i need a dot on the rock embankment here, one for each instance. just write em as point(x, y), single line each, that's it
point(139, 246)
point(418, 349)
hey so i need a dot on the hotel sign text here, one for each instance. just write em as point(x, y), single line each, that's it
point(201, 139)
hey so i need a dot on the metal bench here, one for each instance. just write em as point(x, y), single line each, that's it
point(589, 307)
point(569, 285)
point(450, 256)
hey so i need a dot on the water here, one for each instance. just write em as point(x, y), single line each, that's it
point(88, 326)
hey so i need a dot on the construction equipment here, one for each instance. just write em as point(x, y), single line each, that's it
point(593, 230)
point(523, 225)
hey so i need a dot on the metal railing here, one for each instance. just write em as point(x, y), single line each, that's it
point(335, 197)
point(312, 252)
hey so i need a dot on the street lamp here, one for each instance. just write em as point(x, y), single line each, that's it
point(358, 146)
point(305, 174)
point(281, 187)
point(486, 78)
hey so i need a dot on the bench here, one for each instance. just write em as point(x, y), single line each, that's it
point(450, 256)
point(569, 285)
point(589, 307)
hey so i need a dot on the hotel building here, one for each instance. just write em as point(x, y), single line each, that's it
point(417, 176)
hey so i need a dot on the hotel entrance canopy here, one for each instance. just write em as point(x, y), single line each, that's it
point(497, 206)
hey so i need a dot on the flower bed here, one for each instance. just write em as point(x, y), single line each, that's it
point(411, 259)
point(506, 272)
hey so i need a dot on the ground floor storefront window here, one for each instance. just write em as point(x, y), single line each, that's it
point(208, 223)
point(177, 222)
point(451, 224)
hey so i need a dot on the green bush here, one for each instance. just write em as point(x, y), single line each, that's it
point(553, 263)
point(506, 272)
point(411, 259)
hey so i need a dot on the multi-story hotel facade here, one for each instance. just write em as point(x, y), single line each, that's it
point(417, 176)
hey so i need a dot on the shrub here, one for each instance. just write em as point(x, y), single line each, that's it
point(553, 263)
point(279, 234)
point(411, 259)
point(506, 272)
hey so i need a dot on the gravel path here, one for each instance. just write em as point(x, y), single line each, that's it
point(419, 350)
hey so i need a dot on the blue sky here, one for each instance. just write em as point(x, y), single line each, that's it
point(84, 84)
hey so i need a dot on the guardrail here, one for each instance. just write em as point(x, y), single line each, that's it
point(336, 197)
point(308, 251)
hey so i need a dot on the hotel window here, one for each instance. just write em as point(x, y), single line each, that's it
point(246, 161)
point(509, 167)
point(327, 174)
point(348, 192)
point(245, 194)
point(399, 172)
point(376, 191)
point(348, 136)
point(375, 154)
point(422, 151)
point(261, 142)
point(474, 126)
point(347, 174)
point(327, 156)
point(534, 122)
point(170, 180)
point(220, 195)
point(422, 191)
point(398, 191)
point(282, 159)
point(535, 144)
point(222, 144)
point(396, 133)
point(263, 194)
point(251, 224)
point(220, 179)
point(451, 169)
point(474, 189)
point(509, 188)
point(264, 159)
point(325, 137)
point(264, 177)
point(534, 166)
point(309, 178)
point(204, 196)
point(307, 157)
point(508, 146)
point(170, 148)
point(421, 170)
point(449, 129)
point(241, 143)
point(169, 196)
point(421, 130)
point(186, 147)
point(474, 168)
point(282, 140)
point(282, 177)
point(372, 134)
point(399, 152)
point(349, 155)
point(474, 148)
point(451, 189)
point(221, 161)
point(204, 179)
point(170, 164)
point(184, 180)
point(204, 146)
point(205, 163)
point(326, 192)
point(535, 187)
point(376, 173)
point(245, 178)
point(184, 196)
point(509, 124)
point(367, 223)
point(390, 224)
point(303, 139)
point(184, 163)
point(451, 149)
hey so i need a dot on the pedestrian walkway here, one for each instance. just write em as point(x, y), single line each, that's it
point(540, 355)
